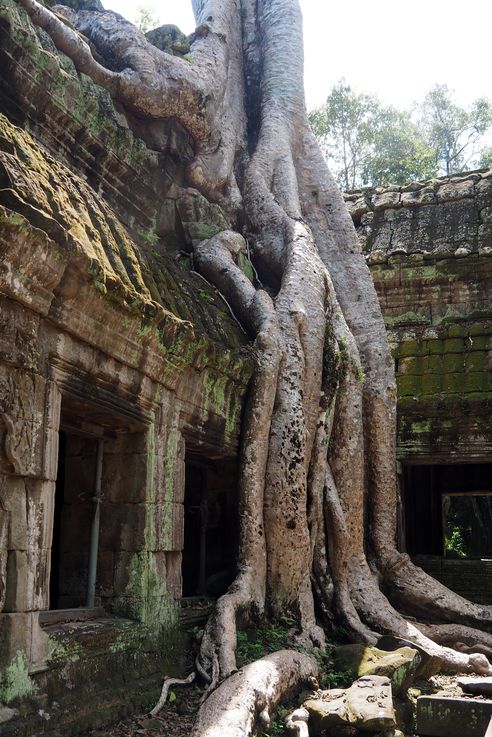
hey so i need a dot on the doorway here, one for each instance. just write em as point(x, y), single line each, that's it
point(210, 525)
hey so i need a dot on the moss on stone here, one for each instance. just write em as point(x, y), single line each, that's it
point(15, 681)
point(407, 318)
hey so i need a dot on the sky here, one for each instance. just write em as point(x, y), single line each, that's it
point(395, 50)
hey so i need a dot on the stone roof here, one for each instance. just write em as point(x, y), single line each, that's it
point(440, 218)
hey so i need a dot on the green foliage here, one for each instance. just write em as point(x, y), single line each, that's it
point(367, 143)
point(276, 729)
point(454, 543)
point(150, 237)
point(265, 638)
point(452, 131)
point(146, 19)
point(329, 678)
point(485, 161)
point(206, 297)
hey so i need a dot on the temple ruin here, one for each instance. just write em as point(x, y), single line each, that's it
point(123, 375)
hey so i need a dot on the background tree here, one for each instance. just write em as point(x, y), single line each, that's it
point(146, 19)
point(485, 161)
point(344, 127)
point(318, 435)
point(369, 144)
point(399, 152)
point(452, 131)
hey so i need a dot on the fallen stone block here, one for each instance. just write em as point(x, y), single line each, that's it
point(482, 686)
point(400, 665)
point(446, 716)
point(366, 705)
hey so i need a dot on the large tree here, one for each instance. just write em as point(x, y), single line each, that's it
point(368, 143)
point(452, 131)
point(317, 475)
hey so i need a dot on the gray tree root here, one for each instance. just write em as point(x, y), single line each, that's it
point(245, 701)
point(168, 682)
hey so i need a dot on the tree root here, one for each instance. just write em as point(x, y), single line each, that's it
point(297, 722)
point(246, 699)
point(459, 637)
point(168, 682)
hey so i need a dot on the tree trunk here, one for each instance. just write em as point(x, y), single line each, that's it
point(318, 472)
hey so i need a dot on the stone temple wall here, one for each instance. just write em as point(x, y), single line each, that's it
point(110, 343)
point(429, 248)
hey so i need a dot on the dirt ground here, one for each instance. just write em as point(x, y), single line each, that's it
point(176, 718)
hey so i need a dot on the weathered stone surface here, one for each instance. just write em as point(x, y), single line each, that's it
point(452, 717)
point(369, 701)
point(472, 685)
point(170, 39)
point(4, 534)
point(6, 714)
point(427, 664)
point(399, 666)
point(366, 705)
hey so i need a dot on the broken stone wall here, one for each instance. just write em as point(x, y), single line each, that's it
point(429, 248)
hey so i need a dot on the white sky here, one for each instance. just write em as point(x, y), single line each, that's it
point(394, 49)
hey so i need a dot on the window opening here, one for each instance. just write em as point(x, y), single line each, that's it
point(448, 510)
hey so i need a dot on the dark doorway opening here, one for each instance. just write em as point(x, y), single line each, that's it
point(210, 525)
point(448, 510)
point(73, 515)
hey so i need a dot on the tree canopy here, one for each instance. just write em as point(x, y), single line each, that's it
point(368, 143)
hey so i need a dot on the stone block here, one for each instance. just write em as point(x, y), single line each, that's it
point(174, 577)
point(124, 478)
point(13, 501)
point(76, 521)
point(169, 526)
point(16, 595)
point(18, 335)
point(28, 573)
point(80, 473)
point(40, 513)
point(123, 527)
point(366, 705)
point(105, 574)
point(399, 666)
point(23, 399)
point(169, 481)
point(38, 578)
point(15, 635)
point(4, 535)
point(446, 716)
point(369, 701)
point(126, 444)
point(452, 383)
point(474, 685)
point(50, 454)
point(73, 574)
point(53, 406)
point(121, 572)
